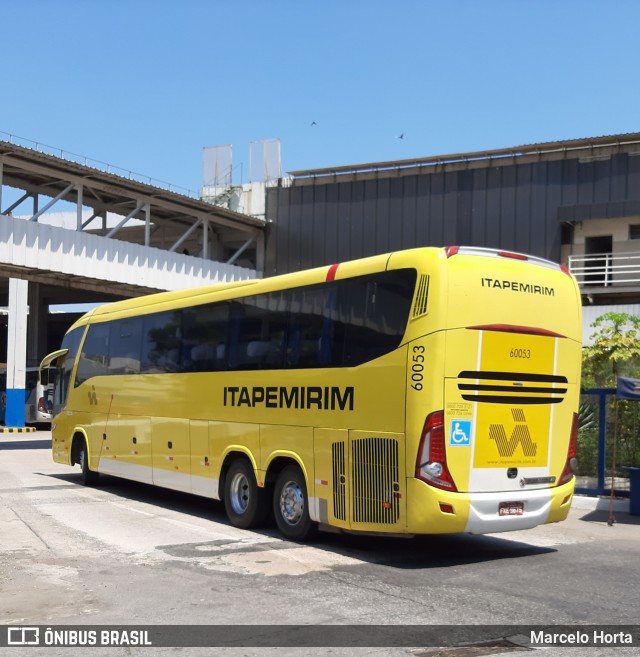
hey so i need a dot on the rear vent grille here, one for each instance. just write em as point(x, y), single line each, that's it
point(422, 295)
point(512, 387)
point(376, 497)
point(339, 482)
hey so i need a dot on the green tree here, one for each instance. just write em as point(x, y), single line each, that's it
point(614, 350)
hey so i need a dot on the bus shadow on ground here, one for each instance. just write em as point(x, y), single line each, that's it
point(420, 552)
point(192, 505)
point(24, 444)
point(424, 552)
point(620, 518)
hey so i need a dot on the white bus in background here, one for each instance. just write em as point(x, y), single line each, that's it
point(38, 395)
point(39, 402)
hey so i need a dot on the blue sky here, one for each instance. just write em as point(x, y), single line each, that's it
point(146, 84)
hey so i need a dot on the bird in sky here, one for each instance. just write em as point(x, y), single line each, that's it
point(400, 136)
point(313, 123)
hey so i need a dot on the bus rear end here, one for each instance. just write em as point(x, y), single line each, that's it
point(498, 444)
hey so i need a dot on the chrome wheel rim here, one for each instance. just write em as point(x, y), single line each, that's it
point(239, 493)
point(291, 503)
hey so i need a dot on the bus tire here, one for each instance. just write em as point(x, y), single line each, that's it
point(246, 504)
point(89, 477)
point(291, 505)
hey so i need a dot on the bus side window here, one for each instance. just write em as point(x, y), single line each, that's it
point(389, 303)
point(204, 331)
point(161, 342)
point(276, 329)
point(125, 344)
point(310, 335)
point(374, 311)
point(94, 359)
point(258, 332)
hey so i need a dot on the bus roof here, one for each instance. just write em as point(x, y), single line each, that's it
point(221, 291)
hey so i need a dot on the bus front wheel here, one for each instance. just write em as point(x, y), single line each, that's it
point(89, 477)
point(291, 505)
point(246, 504)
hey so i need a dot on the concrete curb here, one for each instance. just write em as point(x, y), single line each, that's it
point(599, 504)
point(17, 429)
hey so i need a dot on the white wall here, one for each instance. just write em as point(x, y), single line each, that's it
point(591, 313)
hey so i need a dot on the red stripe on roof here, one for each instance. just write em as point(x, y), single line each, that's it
point(331, 274)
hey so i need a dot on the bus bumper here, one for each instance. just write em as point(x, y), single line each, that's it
point(434, 511)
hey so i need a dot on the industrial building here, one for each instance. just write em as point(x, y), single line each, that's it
point(575, 202)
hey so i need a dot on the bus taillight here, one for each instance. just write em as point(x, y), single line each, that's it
point(41, 406)
point(571, 465)
point(511, 254)
point(431, 466)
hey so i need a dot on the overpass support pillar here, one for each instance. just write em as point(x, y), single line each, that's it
point(16, 352)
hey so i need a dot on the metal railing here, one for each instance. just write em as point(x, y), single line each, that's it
point(606, 269)
point(95, 164)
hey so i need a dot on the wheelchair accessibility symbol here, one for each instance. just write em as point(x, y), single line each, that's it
point(460, 433)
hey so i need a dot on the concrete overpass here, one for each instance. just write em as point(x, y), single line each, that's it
point(128, 238)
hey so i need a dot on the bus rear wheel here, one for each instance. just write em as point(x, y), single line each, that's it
point(246, 504)
point(291, 505)
point(89, 477)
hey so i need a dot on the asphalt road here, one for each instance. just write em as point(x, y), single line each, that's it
point(129, 554)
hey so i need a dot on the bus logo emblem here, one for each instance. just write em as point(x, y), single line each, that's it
point(519, 436)
point(460, 433)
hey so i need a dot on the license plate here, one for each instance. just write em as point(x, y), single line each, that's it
point(511, 509)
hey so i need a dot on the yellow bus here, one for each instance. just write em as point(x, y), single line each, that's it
point(432, 390)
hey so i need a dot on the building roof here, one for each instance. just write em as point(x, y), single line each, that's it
point(550, 150)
